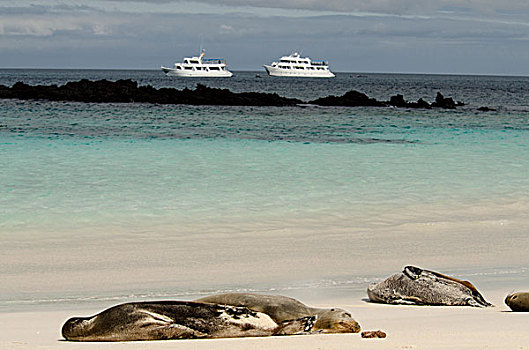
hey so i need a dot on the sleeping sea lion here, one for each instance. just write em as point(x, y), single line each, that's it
point(422, 287)
point(281, 308)
point(178, 320)
point(518, 301)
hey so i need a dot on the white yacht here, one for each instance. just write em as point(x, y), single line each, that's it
point(296, 66)
point(199, 67)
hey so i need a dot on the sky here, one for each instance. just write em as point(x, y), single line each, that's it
point(394, 36)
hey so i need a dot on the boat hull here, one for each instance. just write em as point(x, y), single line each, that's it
point(281, 72)
point(196, 74)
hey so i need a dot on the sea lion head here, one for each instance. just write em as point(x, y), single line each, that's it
point(336, 321)
point(518, 301)
point(509, 298)
point(76, 327)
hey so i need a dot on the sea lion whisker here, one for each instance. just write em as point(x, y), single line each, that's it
point(157, 317)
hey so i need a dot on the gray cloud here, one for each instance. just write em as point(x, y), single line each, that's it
point(400, 7)
point(121, 37)
point(377, 6)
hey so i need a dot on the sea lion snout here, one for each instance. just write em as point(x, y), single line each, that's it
point(349, 326)
point(510, 297)
point(337, 321)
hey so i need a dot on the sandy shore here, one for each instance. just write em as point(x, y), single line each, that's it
point(407, 327)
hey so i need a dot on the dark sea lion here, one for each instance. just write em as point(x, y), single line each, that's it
point(281, 308)
point(178, 320)
point(423, 287)
point(518, 301)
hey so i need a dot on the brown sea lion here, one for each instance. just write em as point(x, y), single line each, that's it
point(178, 320)
point(423, 287)
point(281, 308)
point(518, 301)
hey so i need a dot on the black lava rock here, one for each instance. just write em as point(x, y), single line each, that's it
point(128, 91)
point(350, 99)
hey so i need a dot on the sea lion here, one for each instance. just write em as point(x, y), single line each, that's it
point(178, 320)
point(281, 308)
point(423, 287)
point(518, 301)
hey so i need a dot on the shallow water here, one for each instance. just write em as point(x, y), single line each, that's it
point(132, 201)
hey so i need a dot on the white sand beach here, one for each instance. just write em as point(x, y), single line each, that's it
point(407, 327)
point(58, 279)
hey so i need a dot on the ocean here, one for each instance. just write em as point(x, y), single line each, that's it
point(102, 203)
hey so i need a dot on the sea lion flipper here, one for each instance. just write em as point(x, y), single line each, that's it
point(412, 272)
point(302, 325)
point(155, 318)
point(178, 331)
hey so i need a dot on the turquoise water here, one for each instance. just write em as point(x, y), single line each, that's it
point(67, 184)
point(67, 165)
point(83, 172)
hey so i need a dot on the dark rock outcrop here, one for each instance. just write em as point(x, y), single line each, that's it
point(445, 102)
point(398, 101)
point(357, 99)
point(349, 99)
point(486, 109)
point(129, 91)
point(104, 91)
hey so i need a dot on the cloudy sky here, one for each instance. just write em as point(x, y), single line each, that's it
point(412, 36)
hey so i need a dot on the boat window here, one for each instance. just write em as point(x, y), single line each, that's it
point(194, 62)
point(188, 68)
point(214, 68)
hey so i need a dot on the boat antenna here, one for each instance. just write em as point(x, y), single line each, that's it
point(202, 44)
